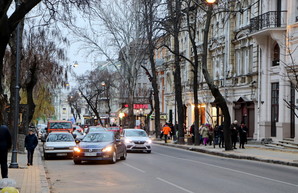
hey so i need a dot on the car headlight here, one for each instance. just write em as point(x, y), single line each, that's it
point(76, 149)
point(128, 141)
point(49, 148)
point(107, 149)
point(149, 141)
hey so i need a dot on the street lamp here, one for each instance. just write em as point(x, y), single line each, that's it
point(210, 1)
point(14, 163)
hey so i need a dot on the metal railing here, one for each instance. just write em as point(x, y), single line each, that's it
point(271, 19)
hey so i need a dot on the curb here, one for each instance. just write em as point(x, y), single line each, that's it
point(230, 155)
point(44, 184)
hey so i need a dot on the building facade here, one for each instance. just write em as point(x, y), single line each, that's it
point(251, 57)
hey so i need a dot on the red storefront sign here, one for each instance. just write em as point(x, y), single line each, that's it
point(137, 106)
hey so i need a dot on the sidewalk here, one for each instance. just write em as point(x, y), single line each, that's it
point(251, 152)
point(29, 179)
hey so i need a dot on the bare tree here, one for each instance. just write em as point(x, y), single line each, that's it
point(96, 88)
point(9, 23)
point(75, 103)
point(172, 25)
point(151, 25)
point(119, 39)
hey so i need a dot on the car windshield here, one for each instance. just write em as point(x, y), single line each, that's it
point(135, 133)
point(58, 125)
point(60, 137)
point(98, 137)
point(93, 129)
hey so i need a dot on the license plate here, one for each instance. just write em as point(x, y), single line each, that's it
point(139, 145)
point(90, 154)
point(61, 154)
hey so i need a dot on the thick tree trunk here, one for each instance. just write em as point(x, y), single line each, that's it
point(219, 99)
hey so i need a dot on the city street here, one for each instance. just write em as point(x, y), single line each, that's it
point(171, 170)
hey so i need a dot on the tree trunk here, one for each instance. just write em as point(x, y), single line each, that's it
point(30, 87)
point(219, 99)
point(149, 23)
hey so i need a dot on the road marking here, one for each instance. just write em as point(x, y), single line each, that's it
point(229, 169)
point(170, 183)
point(134, 168)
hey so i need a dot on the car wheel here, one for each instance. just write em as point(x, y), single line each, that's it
point(123, 157)
point(77, 161)
point(45, 156)
point(114, 158)
point(148, 151)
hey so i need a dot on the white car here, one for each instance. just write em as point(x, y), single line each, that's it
point(137, 140)
point(59, 144)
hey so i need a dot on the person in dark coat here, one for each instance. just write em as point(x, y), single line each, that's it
point(30, 144)
point(243, 130)
point(234, 133)
point(5, 145)
point(221, 136)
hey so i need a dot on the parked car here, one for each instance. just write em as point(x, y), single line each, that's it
point(95, 129)
point(58, 144)
point(96, 146)
point(137, 140)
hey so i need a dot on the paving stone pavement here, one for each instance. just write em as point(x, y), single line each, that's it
point(29, 179)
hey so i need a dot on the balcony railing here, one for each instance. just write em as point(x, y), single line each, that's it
point(271, 19)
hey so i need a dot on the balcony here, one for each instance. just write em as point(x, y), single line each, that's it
point(269, 20)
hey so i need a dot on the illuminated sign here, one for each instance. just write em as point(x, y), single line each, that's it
point(137, 106)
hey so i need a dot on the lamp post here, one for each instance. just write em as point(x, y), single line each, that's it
point(14, 163)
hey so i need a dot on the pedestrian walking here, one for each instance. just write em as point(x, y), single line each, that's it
point(234, 133)
point(30, 145)
point(5, 145)
point(205, 134)
point(243, 130)
point(166, 131)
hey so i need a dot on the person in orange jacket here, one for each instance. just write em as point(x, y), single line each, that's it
point(166, 131)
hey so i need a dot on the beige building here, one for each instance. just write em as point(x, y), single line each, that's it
point(251, 57)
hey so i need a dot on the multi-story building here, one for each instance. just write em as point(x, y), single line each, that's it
point(251, 57)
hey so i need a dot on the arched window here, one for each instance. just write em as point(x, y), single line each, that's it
point(276, 55)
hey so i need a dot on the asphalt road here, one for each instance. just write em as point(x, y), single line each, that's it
point(171, 170)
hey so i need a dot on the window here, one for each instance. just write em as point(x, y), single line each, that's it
point(274, 107)
point(276, 55)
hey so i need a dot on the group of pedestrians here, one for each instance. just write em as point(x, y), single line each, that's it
point(6, 144)
point(209, 135)
point(239, 131)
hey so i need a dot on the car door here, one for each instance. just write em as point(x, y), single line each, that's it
point(119, 144)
